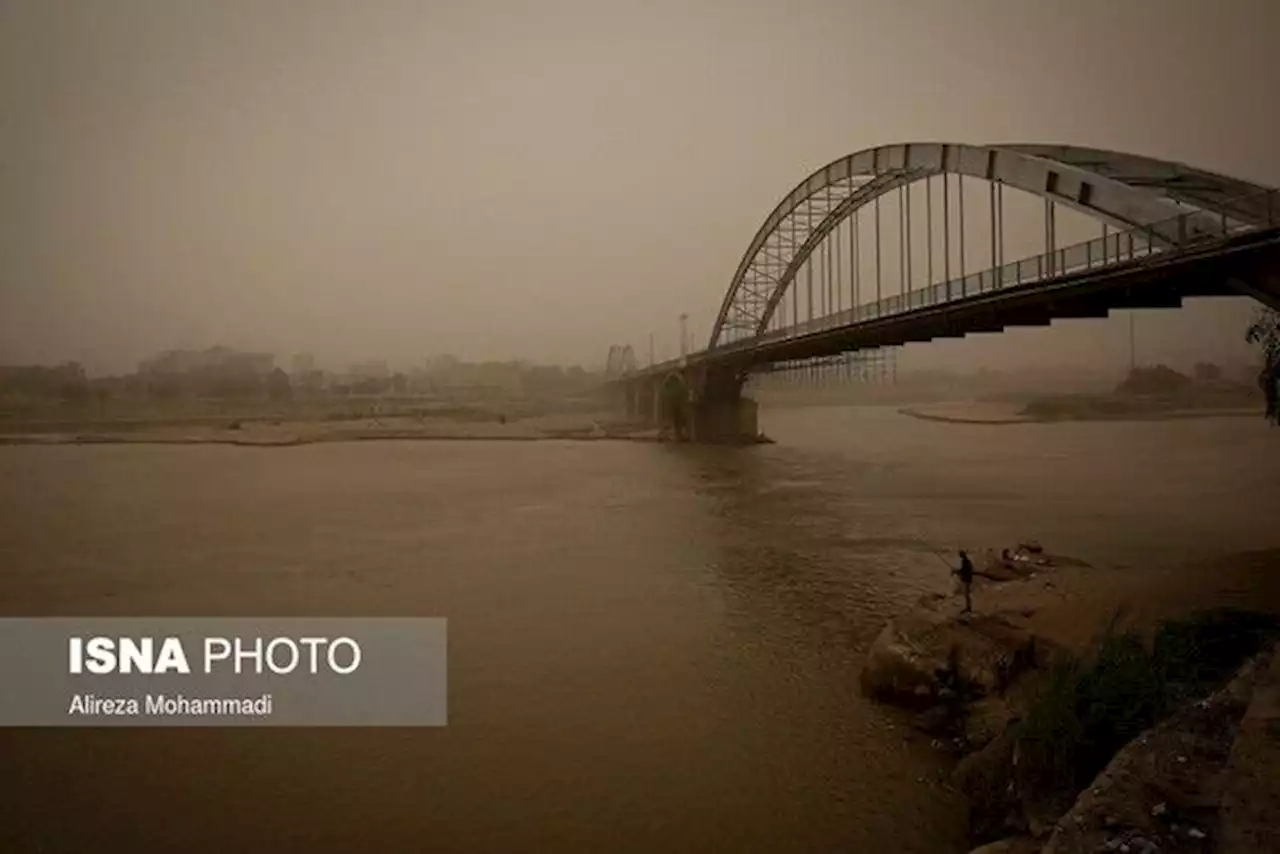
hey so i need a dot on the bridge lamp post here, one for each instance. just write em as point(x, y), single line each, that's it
point(1133, 361)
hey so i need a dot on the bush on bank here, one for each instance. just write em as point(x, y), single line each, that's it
point(1090, 707)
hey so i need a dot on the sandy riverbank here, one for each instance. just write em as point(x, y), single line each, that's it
point(985, 412)
point(284, 433)
point(968, 412)
point(1071, 605)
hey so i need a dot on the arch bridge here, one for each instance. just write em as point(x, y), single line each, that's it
point(917, 241)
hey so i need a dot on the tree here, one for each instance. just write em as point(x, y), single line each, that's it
point(1207, 372)
point(1157, 380)
point(1265, 332)
point(278, 387)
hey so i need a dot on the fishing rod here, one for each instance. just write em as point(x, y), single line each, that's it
point(939, 556)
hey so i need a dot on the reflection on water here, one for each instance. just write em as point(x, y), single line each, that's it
point(651, 647)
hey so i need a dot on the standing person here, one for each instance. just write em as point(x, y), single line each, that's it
point(965, 574)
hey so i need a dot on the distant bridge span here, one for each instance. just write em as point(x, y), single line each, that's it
point(828, 272)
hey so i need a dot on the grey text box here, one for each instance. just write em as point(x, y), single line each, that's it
point(366, 672)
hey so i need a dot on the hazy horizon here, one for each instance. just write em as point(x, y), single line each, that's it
point(498, 180)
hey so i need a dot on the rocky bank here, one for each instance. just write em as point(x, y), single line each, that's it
point(1205, 778)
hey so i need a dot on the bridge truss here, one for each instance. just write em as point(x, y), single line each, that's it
point(878, 366)
point(620, 361)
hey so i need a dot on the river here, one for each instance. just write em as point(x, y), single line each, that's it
point(652, 647)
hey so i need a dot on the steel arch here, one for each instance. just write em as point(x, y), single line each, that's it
point(1122, 190)
point(1199, 188)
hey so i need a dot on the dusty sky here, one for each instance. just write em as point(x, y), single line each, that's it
point(501, 178)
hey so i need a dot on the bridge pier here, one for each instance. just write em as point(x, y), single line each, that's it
point(641, 401)
point(725, 422)
point(691, 405)
point(722, 415)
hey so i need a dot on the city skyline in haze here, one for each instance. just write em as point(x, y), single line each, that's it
point(500, 180)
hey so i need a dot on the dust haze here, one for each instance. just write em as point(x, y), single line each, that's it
point(499, 180)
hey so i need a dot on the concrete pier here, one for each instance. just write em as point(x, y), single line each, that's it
point(726, 421)
point(694, 406)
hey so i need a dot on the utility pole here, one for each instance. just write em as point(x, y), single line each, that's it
point(684, 335)
point(1133, 362)
point(651, 349)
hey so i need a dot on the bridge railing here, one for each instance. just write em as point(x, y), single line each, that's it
point(1121, 248)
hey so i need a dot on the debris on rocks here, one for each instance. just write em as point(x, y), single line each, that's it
point(1022, 562)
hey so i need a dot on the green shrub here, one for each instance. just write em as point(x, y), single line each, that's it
point(1089, 708)
point(1197, 654)
point(1053, 731)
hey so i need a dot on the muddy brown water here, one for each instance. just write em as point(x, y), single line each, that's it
point(651, 647)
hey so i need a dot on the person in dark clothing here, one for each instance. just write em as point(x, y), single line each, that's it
point(965, 573)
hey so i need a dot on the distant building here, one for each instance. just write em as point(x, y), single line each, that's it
point(216, 373)
point(302, 364)
point(221, 359)
point(442, 364)
point(373, 369)
point(66, 380)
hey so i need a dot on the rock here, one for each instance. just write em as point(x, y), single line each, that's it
point(986, 780)
point(996, 569)
point(938, 720)
point(1040, 826)
point(916, 656)
point(931, 601)
point(991, 653)
point(1250, 814)
point(899, 667)
point(1012, 845)
point(986, 719)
